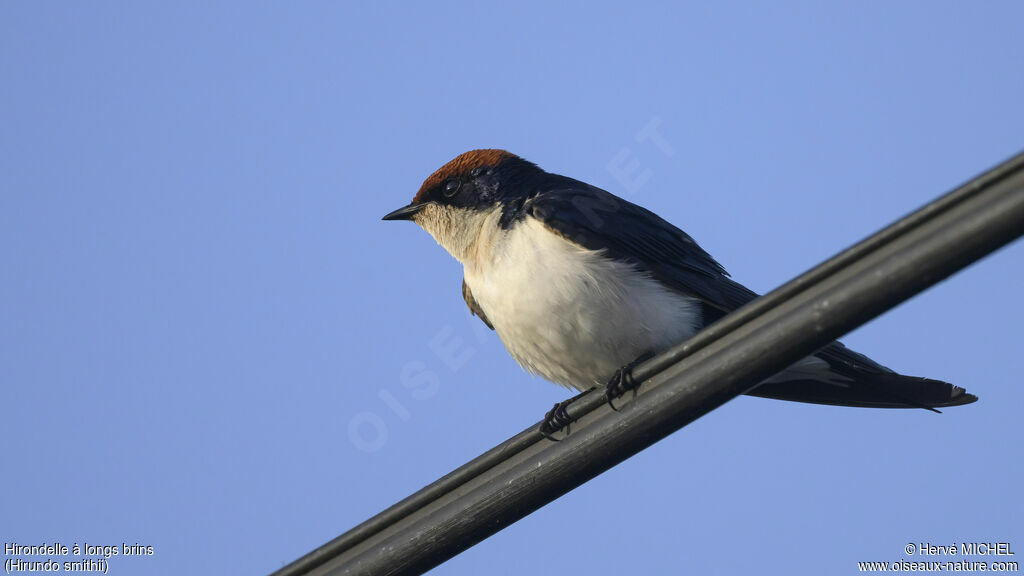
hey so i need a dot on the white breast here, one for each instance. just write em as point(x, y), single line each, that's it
point(569, 314)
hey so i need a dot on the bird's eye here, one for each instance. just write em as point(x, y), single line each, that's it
point(451, 187)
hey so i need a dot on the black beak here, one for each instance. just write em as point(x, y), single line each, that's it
point(405, 213)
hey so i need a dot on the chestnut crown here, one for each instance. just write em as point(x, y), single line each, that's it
point(474, 179)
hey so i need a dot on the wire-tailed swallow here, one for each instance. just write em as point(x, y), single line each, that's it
point(579, 283)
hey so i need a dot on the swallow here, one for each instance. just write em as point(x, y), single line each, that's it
point(580, 285)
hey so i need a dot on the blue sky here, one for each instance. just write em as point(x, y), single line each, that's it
point(206, 332)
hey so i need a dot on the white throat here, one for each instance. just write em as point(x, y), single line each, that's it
point(466, 234)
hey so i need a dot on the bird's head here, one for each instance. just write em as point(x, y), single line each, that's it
point(468, 193)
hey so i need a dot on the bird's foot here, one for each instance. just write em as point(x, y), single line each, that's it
point(622, 381)
point(556, 419)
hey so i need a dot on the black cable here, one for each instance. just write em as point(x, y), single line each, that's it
point(724, 360)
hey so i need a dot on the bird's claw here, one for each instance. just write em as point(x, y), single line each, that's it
point(622, 381)
point(556, 419)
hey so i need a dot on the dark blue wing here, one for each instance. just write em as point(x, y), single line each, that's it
point(599, 220)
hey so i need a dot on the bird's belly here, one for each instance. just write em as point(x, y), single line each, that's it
point(577, 316)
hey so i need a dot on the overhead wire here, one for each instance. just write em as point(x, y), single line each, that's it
point(726, 359)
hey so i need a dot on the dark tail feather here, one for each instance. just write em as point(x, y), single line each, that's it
point(867, 390)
